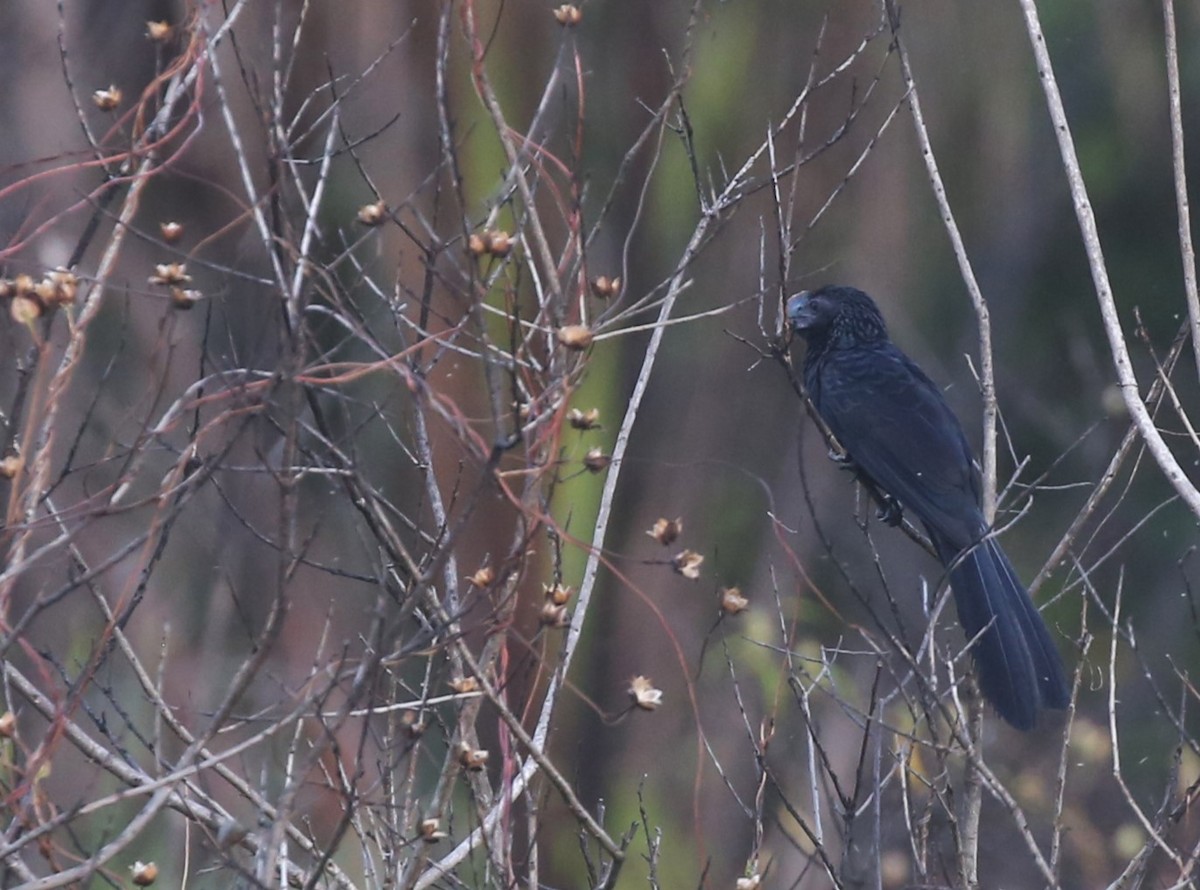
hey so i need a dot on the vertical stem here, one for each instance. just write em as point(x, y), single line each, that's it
point(1186, 250)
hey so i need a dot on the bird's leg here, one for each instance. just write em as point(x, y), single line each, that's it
point(889, 511)
point(842, 459)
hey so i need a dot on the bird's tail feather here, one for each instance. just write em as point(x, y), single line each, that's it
point(1020, 670)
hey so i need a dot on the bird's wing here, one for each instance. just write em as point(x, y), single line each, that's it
point(898, 429)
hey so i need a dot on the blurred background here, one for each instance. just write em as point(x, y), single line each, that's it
point(721, 439)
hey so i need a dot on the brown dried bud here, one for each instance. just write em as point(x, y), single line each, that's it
point(23, 285)
point(732, 601)
point(666, 531)
point(430, 831)
point(499, 243)
point(643, 693)
point(483, 576)
point(25, 308)
point(170, 274)
point(687, 563)
point(605, 288)
point(575, 336)
point(66, 286)
point(107, 100)
point(412, 724)
point(474, 759)
point(464, 685)
point(553, 616)
point(45, 291)
point(596, 460)
point(372, 214)
point(584, 420)
point(10, 465)
point(171, 231)
point(8, 724)
point(159, 32)
point(477, 245)
point(559, 594)
point(144, 873)
point(568, 14)
point(185, 299)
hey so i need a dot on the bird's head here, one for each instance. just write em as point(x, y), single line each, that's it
point(836, 315)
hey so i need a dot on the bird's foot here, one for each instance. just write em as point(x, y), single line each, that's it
point(890, 511)
point(842, 459)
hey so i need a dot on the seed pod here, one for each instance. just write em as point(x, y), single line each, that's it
point(144, 873)
point(159, 32)
point(107, 100)
point(474, 759)
point(596, 461)
point(553, 616)
point(25, 308)
point(568, 15)
point(575, 336)
point(185, 299)
point(605, 288)
point(170, 274)
point(643, 693)
point(584, 420)
point(732, 601)
point(372, 214)
point(666, 531)
point(687, 563)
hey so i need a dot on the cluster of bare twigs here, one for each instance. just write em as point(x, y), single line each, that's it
point(308, 505)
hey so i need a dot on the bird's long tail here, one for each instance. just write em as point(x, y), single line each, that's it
point(1019, 668)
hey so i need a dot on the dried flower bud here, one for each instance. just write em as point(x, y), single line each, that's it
point(748, 882)
point(66, 286)
point(372, 214)
point(687, 563)
point(185, 299)
point(499, 243)
point(25, 308)
point(666, 531)
point(474, 759)
point(8, 724)
point(605, 288)
point(559, 594)
point(568, 14)
point(44, 290)
point(159, 32)
point(477, 245)
point(171, 231)
point(643, 693)
point(107, 100)
point(575, 336)
point(412, 724)
point(584, 420)
point(553, 616)
point(596, 460)
point(23, 285)
point(430, 831)
point(144, 873)
point(464, 685)
point(170, 274)
point(732, 601)
point(483, 576)
point(10, 465)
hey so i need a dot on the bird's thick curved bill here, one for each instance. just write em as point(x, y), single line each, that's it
point(800, 311)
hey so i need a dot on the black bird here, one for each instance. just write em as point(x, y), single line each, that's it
point(899, 432)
